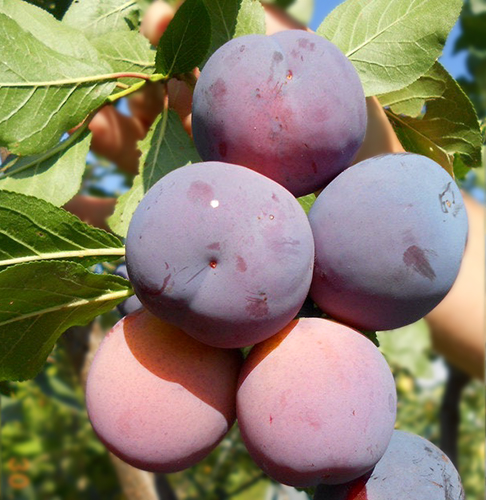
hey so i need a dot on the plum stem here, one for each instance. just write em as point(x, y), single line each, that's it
point(137, 86)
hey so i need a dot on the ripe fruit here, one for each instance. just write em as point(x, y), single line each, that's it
point(133, 303)
point(222, 252)
point(157, 398)
point(387, 250)
point(290, 106)
point(316, 403)
point(411, 469)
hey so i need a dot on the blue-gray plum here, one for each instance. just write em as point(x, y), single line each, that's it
point(316, 403)
point(221, 251)
point(157, 398)
point(390, 234)
point(133, 303)
point(290, 106)
point(411, 469)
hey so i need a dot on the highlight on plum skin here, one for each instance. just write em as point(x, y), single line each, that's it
point(221, 251)
point(290, 106)
point(387, 252)
point(411, 469)
point(157, 398)
point(131, 304)
point(316, 403)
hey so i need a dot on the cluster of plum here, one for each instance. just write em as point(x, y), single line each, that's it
point(222, 256)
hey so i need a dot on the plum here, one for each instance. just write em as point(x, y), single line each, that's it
point(388, 248)
point(222, 252)
point(411, 469)
point(133, 303)
point(158, 399)
point(316, 403)
point(290, 106)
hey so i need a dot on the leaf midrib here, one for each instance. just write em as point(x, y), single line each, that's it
point(111, 12)
point(376, 35)
point(67, 306)
point(73, 254)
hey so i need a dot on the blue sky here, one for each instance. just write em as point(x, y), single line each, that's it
point(455, 64)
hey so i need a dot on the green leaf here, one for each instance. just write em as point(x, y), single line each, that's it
point(411, 100)
point(233, 18)
point(54, 34)
point(54, 176)
point(166, 147)
point(302, 10)
point(57, 7)
point(95, 17)
point(251, 19)
point(230, 18)
point(283, 4)
point(39, 301)
point(223, 15)
point(450, 126)
point(125, 207)
point(459, 167)
point(391, 42)
point(33, 230)
point(408, 348)
point(307, 201)
point(186, 41)
point(126, 52)
point(43, 93)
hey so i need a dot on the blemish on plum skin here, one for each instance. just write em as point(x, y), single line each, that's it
point(270, 419)
point(314, 167)
point(241, 264)
point(218, 89)
point(213, 264)
point(201, 192)
point(165, 283)
point(445, 203)
point(278, 57)
point(275, 198)
point(214, 246)
point(415, 257)
point(257, 307)
point(304, 43)
point(290, 75)
point(242, 48)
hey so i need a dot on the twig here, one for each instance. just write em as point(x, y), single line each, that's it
point(450, 416)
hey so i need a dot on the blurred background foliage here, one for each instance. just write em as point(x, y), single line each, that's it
point(49, 451)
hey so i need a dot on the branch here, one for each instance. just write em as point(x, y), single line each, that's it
point(450, 416)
